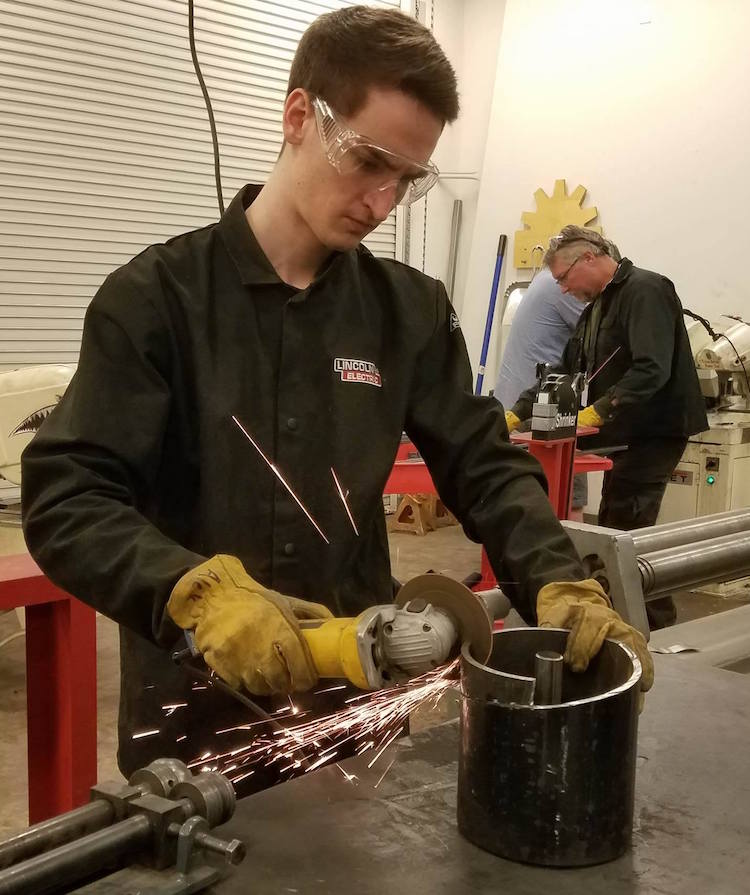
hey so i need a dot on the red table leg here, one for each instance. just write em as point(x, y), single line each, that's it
point(555, 458)
point(61, 705)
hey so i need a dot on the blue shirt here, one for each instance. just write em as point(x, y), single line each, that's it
point(542, 325)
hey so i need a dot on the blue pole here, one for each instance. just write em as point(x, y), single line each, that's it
point(502, 243)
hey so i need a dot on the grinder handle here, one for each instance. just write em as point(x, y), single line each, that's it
point(334, 651)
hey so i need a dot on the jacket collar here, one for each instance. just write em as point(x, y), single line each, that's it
point(244, 250)
point(621, 274)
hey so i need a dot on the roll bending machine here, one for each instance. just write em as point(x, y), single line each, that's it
point(637, 566)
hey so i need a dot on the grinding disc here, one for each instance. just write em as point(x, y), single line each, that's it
point(462, 604)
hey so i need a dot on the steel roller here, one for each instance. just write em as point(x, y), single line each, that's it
point(690, 531)
point(692, 564)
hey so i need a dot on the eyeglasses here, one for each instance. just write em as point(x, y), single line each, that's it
point(352, 154)
point(564, 276)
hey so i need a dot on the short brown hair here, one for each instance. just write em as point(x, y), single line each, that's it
point(346, 52)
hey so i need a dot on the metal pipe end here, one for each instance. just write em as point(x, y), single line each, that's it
point(548, 671)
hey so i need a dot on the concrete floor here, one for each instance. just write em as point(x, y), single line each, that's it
point(446, 550)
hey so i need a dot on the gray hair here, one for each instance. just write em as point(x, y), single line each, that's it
point(573, 241)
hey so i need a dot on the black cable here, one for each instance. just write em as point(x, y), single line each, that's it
point(212, 123)
point(702, 320)
point(747, 380)
point(716, 336)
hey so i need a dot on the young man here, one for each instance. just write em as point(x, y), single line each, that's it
point(645, 394)
point(145, 498)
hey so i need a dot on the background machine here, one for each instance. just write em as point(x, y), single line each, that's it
point(714, 472)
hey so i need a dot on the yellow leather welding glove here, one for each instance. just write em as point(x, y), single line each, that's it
point(589, 417)
point(247, 633)
point(584, 608)
point(512, 421)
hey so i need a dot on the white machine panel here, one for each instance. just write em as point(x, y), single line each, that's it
point(681, 496)
point(718, 463)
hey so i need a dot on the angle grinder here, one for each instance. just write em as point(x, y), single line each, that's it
point(430, 619)
point(427, 624)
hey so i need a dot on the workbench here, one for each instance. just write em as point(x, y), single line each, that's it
point(319, 835)
point(410, 474)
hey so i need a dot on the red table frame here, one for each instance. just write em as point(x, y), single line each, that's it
point(411, 476)
point(60, 687)
point(555, 456)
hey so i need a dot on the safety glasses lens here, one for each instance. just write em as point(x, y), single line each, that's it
point(352, 154)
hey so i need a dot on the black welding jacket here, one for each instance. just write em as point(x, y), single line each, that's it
point(140, 472)
point(649, 388)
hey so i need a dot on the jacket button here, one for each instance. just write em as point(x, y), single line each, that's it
point(289, 549)
point(291, 423)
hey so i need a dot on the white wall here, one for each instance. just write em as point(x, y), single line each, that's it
point(647, 104)
point(469, 32)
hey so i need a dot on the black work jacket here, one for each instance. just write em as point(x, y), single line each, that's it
point(649, 388)
point(140, 473)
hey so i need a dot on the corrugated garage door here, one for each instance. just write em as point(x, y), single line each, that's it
point(106, 147)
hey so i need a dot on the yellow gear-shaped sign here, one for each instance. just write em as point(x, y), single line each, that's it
point(552, 214)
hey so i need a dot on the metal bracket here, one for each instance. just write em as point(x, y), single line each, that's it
point(609, 556)
point(186, 841)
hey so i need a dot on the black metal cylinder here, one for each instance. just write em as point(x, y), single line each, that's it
point(56, 869)
point(56, 831)
point(548, 784)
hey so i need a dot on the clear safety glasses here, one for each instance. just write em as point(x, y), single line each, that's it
point(351, 153)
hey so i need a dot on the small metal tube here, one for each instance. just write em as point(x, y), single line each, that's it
point(548, 670)
point(62, 866)
point(56, 831)
point(450, 280)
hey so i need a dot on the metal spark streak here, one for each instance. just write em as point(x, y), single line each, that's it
point(145, 733)
point(370, 721)
point(382, 776)
point(344, 501)
point(602, 366)
point(274, 469)
point(385, 745)
point(350, 778)
point(248, 726)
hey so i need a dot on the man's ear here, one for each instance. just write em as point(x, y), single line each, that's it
point(297, 109)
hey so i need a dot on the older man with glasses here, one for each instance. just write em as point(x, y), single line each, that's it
point(644, 394)
point(269, 350)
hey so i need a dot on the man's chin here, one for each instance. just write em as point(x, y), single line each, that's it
point(343, 242)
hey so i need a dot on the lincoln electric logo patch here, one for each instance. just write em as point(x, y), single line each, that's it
point(357, 371)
